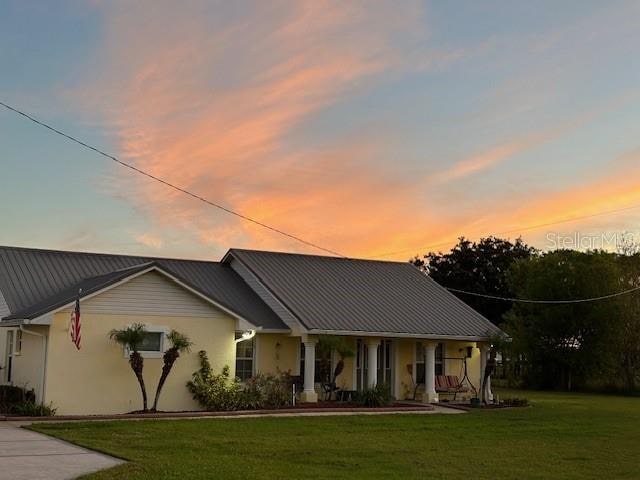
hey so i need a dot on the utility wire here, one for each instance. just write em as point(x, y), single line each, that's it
point(546, 302)
point(516, 230)
point(170, 185)
point(310, 244)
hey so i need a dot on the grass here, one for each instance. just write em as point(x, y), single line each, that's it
point(563, 436)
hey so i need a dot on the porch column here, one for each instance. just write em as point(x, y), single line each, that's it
point(485, 389)
point(430, 395)
point(309, 392)
point(372, 362)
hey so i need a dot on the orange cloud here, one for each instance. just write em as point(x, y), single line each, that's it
point(223, 125)
point(215, 106)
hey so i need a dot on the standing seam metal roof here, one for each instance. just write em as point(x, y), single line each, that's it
point(31, 278)
point(339, 294)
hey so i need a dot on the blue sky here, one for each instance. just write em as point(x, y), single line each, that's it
point(365, 127)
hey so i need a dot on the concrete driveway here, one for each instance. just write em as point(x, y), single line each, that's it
point(26, 455)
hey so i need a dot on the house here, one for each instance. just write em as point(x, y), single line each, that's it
point(254, 311)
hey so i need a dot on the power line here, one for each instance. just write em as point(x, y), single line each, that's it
point(171, 185)
point(305, 242)
point(517, 230)
point(547, 302)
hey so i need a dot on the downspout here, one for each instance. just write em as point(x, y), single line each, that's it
point(45, 347)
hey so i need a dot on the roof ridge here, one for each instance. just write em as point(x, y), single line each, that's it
point(315, 255)
point(103, 254)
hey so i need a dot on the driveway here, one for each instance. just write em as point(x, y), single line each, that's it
point(26, 455)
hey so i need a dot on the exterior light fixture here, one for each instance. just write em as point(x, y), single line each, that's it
point(246, 335)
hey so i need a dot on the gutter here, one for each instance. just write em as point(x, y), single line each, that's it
point(357, 333)
point(45, 351)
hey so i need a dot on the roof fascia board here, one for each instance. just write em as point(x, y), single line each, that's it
point(355, 333)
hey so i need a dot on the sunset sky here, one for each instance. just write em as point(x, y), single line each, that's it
point(375, 129)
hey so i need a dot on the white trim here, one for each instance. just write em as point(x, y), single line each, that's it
point(399, 335)
point(45, 319)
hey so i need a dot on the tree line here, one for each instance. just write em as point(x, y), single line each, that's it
point(584, 345)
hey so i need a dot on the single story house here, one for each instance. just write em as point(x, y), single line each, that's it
point(400, 322)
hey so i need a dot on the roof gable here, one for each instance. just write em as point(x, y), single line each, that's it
point(346, 295)
point(32, 279)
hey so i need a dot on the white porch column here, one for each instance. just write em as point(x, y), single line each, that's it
point(372, 362)
point(485, 390)
point(430, 395)
point(309, 392)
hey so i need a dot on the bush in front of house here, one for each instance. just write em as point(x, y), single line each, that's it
point(32, 409)
point(267, 391)
point(212, 391)
point(378, 396)
point(220, 392)
point(20, 401)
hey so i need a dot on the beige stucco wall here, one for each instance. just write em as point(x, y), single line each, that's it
point(98, 379)
point(277, 353)
point(346, 379)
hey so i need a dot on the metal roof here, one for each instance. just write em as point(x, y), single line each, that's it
point(34, 281)
point(347, 295)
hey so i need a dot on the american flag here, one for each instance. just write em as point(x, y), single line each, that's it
point(74, 324)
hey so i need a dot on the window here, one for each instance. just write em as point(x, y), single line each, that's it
point(440, 359)
point(153, 343)
point(420, 361)
point(420, 356)
point(17, 348)
point(245, 351)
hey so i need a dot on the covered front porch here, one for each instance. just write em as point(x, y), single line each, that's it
point(412, 368)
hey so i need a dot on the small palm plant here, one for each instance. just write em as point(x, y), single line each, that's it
point(131, 338)
point(179, 343)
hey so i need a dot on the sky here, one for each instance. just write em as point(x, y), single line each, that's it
point(374, 129)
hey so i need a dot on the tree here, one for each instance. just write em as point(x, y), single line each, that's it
point(327, 344)
point(131, 338)
point(480, 267)
point(565, 344)
point(180, 343)
point(628, 326)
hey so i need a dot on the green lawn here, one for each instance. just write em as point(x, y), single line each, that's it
point(571, 436)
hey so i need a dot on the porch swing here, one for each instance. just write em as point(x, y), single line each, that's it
point(452, 383)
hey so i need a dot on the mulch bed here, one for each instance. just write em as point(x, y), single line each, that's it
point(320, 407)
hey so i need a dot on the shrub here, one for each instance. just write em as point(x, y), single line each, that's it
point(267, 391)
point(215, 391)
point(12, 398)
point(32, 409)
point(515, 402)
point(378, 396)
